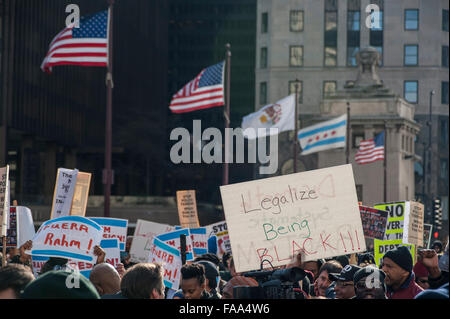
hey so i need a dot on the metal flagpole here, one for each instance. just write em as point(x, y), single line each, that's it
point(107, 174)
point(296, 126)
point(347, 151)
point(227, 115)
point(385, 162)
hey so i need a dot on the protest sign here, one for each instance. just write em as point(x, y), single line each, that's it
point(170, 258)
point(36, 264)
point(223, 238)
point(63, 193)
point(381, 247)
point(80, 194)
point(413, 224)
point(313, 213)
point(72, 237)
point(4, 199)
point(427, 231)
point(112, 251)
point(187, 209)
point(113, 228)
point(21, 227)
point(199, 240)
point(143, 239)
point(173, 239)
point(374, 222)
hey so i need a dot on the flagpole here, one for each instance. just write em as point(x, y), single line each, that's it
point(296, 126)
point(107, 176)
point(384, 162)
point(227, 114)
point(347, 151)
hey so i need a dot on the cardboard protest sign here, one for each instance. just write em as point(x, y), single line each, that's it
point(113, 228)
point(112, 251)
point(170, 258)
point(21, 227)
point(80, 194)
point(187, 209)
point(374, 222)
point(143, 236)
point(36, 264)
point(314, 213)
point(199, 240)
point(220, 230)
point(427, 231)
point(381, 247)
point(413, 225)
point(173, 239)
point(63, 194)
point(4, 199)
point(72, 237)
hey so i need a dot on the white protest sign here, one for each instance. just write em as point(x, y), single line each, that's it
point(36, 264)
point(25, 225)
point(4, 199)
point(413, 229)
point(173, 239)
point(72, 237)
point(112, 251)
point(143, 239)
point(170, 258)
point(113, 228)
point(220, 230)
point(199, 240)
point(62, 197)
point(314, 213)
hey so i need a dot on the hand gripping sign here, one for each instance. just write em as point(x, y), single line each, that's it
point(72, 237)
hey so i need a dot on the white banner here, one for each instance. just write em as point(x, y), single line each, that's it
point(62, 197)
point(4, 199)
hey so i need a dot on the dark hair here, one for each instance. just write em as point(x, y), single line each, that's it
point(331, 266)
point(208, 257)
point(140, 280)
point(193, 271)
point(15, 276)
point(51, 263)
point(211, 273)
point(343, 260)
point(437, 243)
point(225, 258)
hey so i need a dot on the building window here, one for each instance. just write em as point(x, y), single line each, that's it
point(411, 53)
point(353, 20)
point(299, 92)
point(411, 19)
point(353, 36)
point(410, 91)
point(445, 20)
point(263, 57)
point(445, 56)
point(356, 139)
point(330, 49)
point(263, 93)
point(296, 20)
point(444, 92)
point(444, 132)
point(329, 87)
point(264, 22)
point(296, 55)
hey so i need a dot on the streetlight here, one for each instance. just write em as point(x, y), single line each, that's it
point(430, 196)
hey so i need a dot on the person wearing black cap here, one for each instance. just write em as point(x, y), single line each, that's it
point(398, 266)
point(212, 278)
point(369, 283)
point(344, 287)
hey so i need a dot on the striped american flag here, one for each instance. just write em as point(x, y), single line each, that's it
point(205, 91)
point(371, 150)
point(86, 45)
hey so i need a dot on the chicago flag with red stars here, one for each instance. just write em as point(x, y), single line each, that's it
point(323, 136)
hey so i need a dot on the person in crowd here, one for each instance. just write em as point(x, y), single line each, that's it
point(344, 288)
point(369, 283)
point(142, 281)
point(125, 257)
point(437, 267)
point(216, 261)
point(54, 285)
point(421, 273)
point(439, 293)
point(343, 260)
point(22, 257)
point(13, 279)
point(212, 278)
point(398, 266)
point(366, 259)
point(193, 282)
point(235, 281)
point(313, 266)
point(105, 278)
point(437, 246)
point(322, 283)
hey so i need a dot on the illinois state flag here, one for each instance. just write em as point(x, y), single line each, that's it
point(323, 136)
point(280, 115)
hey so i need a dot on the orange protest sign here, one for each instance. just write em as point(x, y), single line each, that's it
point(187, 209)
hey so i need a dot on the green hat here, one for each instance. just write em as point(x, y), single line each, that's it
point(55, 285)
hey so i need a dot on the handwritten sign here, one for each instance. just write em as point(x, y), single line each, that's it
point(374, 222)
point(63, 194)
point(112, 251)
point(4, 199)
point(36, 264)
point(143, 239)
point(427, 231)
point(170, 258)
point(413, 229)
point(80, 194)
point(314, 213)
point(72, 237)
point(173, 240)
point(381, 247)
point(199, 240)
point(113, 228)
point(220, 230)
point(187, 209)
point(21, 227)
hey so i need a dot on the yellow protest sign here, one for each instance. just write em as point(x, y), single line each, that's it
point(81, 194)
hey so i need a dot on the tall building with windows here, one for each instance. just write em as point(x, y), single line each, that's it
point(316, 41)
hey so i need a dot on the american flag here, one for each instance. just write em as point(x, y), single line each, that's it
point(205, 91)
point(86, 45)
point(371, 150)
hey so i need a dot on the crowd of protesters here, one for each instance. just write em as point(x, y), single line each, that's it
point(210, 277)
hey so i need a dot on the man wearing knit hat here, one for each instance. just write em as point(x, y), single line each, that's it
point(398, 267)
